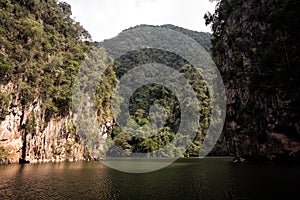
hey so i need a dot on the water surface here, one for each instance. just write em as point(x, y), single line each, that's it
point(209, 178)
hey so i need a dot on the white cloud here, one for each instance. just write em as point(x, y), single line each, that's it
point(106, 18)
point(138, 3)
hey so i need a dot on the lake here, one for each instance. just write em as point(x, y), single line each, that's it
point(209, 178)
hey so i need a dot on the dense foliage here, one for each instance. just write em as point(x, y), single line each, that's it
point(40, 50)
point(152, 94)
point(142, 100)
point(256, 47)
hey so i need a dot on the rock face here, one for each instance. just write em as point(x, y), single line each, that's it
point(41, 48)
point(24, 133)
point(255, 46)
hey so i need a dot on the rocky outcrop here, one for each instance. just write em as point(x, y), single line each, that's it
point(25, 134)
point(254, 46)
point(40, 56)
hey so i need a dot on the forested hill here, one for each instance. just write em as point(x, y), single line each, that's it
point(147, 96)
point(41, 48)
point(256, 44)
point(201, 37)
point(41, 51)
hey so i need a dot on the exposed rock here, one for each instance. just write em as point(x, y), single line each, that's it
point(254, 46)
point(41, 49)
point(280, 147)
point(27, 136)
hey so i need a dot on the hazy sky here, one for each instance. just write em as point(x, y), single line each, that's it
point(104, 19)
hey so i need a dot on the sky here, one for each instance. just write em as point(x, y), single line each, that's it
point(104, 19)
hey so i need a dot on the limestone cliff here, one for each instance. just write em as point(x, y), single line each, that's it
point(41, 48)
point(25, 134)
point(256, 46)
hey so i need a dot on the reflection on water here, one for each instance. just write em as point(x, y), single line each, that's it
point(210, 178)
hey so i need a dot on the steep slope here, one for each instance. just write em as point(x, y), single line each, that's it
point(145, 97)
point(40, 51)
point(256, 47)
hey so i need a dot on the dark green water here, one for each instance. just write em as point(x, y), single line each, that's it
point(210, 178)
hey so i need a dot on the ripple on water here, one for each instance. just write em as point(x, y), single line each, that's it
point(209, 178)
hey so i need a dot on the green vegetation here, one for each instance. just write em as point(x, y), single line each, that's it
point(41, 47)
point(153, 94)
point(4, 154)
point(41, 50)
point(4, 104)
point(255, 44)
point(140, 102)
